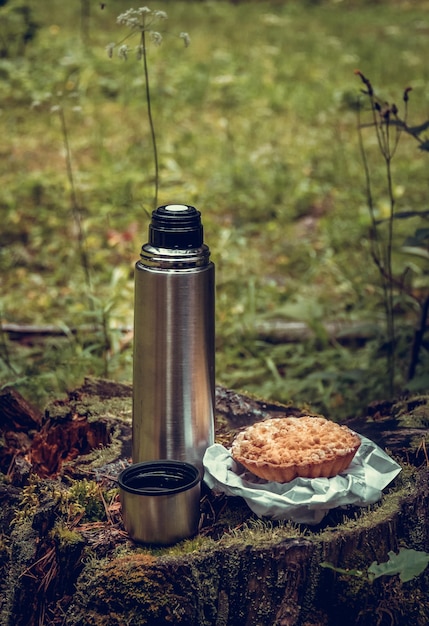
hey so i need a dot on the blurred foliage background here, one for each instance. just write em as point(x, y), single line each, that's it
point(256, 126)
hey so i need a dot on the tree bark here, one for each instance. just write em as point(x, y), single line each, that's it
point(65, 558)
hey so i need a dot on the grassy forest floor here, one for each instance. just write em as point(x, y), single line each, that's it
point(256, 124)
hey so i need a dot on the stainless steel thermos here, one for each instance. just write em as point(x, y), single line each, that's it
point(173, 375)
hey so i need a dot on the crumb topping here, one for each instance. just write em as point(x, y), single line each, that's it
point(294, 441)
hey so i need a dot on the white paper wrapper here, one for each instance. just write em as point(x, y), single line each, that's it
point(304, 500)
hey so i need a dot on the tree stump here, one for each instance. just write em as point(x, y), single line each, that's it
point(66, 559)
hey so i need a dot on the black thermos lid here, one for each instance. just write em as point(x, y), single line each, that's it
point(176, 226)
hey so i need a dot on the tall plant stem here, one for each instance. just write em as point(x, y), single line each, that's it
point(150, 118)
point(77, 216)
point(391, 335)
point(382, 124)
point(382, 255)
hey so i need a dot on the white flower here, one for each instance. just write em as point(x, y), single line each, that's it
point(162, 15)
point(124, 17)
point(139, 52)
point(186, 39)
point(109, 49)
point(123, 52)
point(156, 37)
point(132, 17)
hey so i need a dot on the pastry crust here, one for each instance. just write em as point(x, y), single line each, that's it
point(280, 449)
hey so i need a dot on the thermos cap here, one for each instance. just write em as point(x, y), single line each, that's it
point(176, 226)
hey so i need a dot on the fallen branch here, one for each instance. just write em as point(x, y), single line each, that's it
point(273, 331)
point(33, 332)
point(281, 331)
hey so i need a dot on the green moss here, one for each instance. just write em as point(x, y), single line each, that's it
point(23, 542)
point(413, 412)
point(65, 537)
point(263, 532)
point(82, 497)
point(95, 407)
point(85, 496)
point(187, 546)
point(58, 411)
point(5, 552)
point(128, 589)
point(106, 454)
point(29, 500)
point(36, 495)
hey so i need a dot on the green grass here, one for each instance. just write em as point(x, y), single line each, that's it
point(256, 127)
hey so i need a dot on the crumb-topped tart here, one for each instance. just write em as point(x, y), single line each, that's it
point(280, 449)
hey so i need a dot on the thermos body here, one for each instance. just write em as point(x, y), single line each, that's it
point(174, 355)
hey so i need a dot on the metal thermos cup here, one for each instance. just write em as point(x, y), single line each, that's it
point(160, 501)
point(173, 374)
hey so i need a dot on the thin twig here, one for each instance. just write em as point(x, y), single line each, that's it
point(382, 255)
point(77, 216)
point(150, 117)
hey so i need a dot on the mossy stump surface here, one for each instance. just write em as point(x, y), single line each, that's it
point(65, 558)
